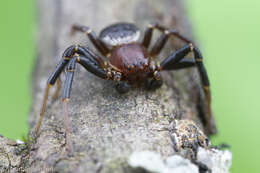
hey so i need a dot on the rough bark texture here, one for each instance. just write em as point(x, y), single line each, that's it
point(106, 127)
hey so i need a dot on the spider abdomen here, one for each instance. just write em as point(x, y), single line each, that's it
point(132, 60)
point(119, 34)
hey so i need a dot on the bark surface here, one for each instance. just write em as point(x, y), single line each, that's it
point(106, 127)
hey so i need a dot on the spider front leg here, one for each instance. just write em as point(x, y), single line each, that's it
point(178, 56)
point(57, 91)
point(91, 66)
point(177, 60)
point(65, 99)
point(100, 46)
point(66, 57)
point(51, 81)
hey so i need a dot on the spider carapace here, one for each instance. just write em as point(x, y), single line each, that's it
point(126, 61)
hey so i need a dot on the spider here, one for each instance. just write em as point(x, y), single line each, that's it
point(125, 61)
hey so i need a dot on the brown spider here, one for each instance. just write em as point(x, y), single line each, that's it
point(128, 62)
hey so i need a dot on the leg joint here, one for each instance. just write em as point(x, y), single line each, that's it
point(109, 75)
point(166, 32)
point(157, 75)
point(66, 100)
point(66, 58)
point(70, 70)
point(199, 59)
point(170, 31)
point(88, 31)
point(206, 87)
point(76, 47)
point(153, 25)
point(191, 47)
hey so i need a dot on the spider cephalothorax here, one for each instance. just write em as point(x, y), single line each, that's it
point(126, 61)
point(132, 61)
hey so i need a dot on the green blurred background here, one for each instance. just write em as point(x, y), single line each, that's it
point(229, 35)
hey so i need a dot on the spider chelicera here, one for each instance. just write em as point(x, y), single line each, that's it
point(124, 60)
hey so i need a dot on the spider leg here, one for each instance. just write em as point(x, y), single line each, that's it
point(51, 81)
point(177, 60)
point(161, 41)
point(66, 57)
point(84, 51)
point(91, 66)
point(69, 77)
point(173, 62)
point(57, 90)
point(155, 82)
point(148, 35)
point(100, 46)
point(210, 122)
point(184, 63)
point(65, 99)
point(159, 44)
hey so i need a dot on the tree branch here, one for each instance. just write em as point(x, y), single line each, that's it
point(107, 128)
